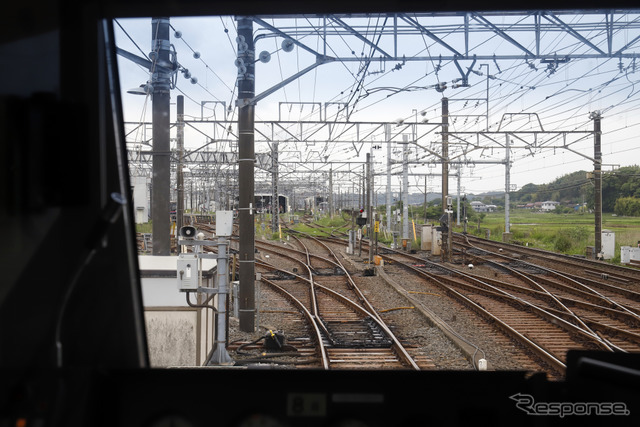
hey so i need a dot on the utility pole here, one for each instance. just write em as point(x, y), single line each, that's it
point(405, 188)
point(446, 250)
point(370, 220)
point(275, 201)
point(387, 137)
point(180, 175)
point(459, 187)
point(597, 175)
point(448, 253)
point(507, 186)
point(246, 160)
point(362, 197)
point(161, 180)
point(425, 198)
point(445, 152)
point(464, 213)
point(331, 192)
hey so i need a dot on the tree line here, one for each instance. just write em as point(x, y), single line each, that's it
point(620, 191)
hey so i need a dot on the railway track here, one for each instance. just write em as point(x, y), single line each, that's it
point(543, 344)
point(601, 271)
point(609, 311)
point(541, 311)
point(546, 312)
point(345, 329)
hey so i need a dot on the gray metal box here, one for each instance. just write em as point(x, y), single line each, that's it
point(224, 223)
point(187, 270)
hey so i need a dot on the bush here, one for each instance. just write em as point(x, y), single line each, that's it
point(627, 206)
point(569, 238)
point(562, 243)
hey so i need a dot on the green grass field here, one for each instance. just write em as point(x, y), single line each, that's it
point(568, 233)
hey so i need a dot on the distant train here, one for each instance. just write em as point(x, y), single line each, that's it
point(263, 203)
point(316, 203)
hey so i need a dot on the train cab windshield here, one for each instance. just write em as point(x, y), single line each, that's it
point(319, 215)
point(359, 126)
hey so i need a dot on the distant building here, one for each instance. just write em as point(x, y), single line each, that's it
point(481, 207)
point(549, 205)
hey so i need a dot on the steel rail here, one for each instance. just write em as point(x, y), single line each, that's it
point(492, 291)
point(505, 296)
point(495, 292)
point(519, 337)
point(580, 304)
point(403, 354)
point(624, 272)
point(535, 284)
point(566, 279)
point(307, 314)
point(312, 285)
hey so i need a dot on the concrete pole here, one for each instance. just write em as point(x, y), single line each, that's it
point(275, 202)
point(370, 220)
point(458, 213)
point(180, 174)
point(597, 175)
point(387, 135)
point(161, 179)
point(363, 204)
point(405, 188)
point(246, 160)
point(425, 198)
point(507, 185)
point(331, 192)
point(445, 152)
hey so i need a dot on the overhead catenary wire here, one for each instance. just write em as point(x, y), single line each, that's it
point(524, 92)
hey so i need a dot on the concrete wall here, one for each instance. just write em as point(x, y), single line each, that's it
point(178, 336)
point(171, 336)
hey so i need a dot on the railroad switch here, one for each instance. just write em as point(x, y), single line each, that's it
point(274, 340)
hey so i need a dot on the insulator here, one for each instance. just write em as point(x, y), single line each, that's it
point(287, 45)
point(264, 57)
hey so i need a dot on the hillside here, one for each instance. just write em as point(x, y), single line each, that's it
point(576, 188)
point(568, 189)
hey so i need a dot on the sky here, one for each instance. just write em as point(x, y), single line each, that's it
point(523, 95)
